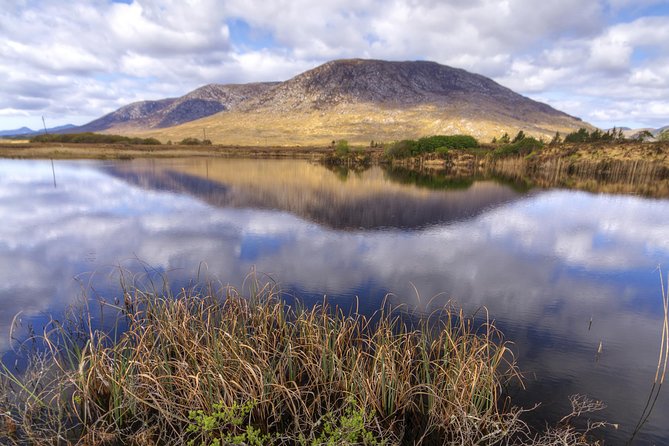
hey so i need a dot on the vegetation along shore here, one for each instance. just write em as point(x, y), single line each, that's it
point(211, 367)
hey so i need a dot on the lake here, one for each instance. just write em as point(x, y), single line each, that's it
point(560, 271)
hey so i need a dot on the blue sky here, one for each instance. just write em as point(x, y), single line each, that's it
point(606, 61)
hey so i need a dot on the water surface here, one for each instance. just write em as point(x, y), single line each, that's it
point(542, 261)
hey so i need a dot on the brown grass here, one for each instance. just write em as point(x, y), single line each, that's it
point(202, 368)
point(357, 123)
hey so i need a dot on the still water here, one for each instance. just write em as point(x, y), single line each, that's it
point(544, 262)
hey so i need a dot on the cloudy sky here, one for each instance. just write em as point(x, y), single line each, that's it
point(71, 61)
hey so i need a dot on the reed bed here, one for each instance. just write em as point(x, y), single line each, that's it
point(213, 368)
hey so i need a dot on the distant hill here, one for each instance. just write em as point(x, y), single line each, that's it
point(359, 100)
point(16, 132)
point(634, 133)
point(25, 131)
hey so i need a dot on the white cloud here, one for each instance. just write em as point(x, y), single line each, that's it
point(151, 49)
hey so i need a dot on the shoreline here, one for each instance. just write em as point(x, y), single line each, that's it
point(127, 151)
point(656, 152)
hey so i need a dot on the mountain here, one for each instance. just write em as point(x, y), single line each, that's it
point(25, 131)
point(395, 84)
point(661, 130)
point(16, 132)
point(635, 133)
point(59, 129)
point(204, 101)
point(358, 100)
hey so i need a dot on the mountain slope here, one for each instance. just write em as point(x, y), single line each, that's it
point(389, 83)
point(204, 101)
point(358, 100)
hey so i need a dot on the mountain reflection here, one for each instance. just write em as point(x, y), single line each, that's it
point(371, 199)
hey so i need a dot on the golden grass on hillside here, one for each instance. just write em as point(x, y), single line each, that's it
point(358, 123)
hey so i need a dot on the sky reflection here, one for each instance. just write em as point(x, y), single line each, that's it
point(543, 263)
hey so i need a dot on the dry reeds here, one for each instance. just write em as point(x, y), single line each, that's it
point(210, 369)
point(661, 371)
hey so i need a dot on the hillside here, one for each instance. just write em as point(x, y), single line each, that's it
point(199, 103)
point(358, 100)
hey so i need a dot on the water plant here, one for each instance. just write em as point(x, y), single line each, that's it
point(210, 367)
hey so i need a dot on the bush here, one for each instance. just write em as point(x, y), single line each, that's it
point(93, 138)
point(522, 147)
point(430, 144)
point(583, 135)
point(195, 142)
point(342, 148)
point(402, 149)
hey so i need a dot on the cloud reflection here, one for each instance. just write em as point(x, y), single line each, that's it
point(542, 264)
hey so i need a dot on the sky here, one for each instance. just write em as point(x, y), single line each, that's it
point(71, 61)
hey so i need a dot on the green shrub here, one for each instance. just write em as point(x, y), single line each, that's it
point(519, 137)
point(402, 149)
point(430, 144)
point(583, 135)
point(522, 147)
point(342, 148)
point(189, 142)
point(93, 138)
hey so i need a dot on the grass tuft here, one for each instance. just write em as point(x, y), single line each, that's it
point(213, 368)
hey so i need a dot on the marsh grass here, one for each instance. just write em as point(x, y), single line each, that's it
point(661, 371)
point(211, 366)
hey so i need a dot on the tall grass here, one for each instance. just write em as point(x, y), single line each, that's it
point(214, 367)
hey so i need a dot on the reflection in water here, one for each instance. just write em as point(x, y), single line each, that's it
point(370, 199)
point(544, 263)
point(611, 176)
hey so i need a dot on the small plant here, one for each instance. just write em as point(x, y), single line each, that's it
point(523, 147)
point(348, 429)
point(557, 139)
point(519, 137)
point(226, 426)
point(401, 149)
point(342, 148)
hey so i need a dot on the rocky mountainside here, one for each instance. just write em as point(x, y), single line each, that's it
point(199, 103)
point(359, 100)
point(397, 84)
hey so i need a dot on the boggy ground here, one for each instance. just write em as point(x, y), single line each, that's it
point(127, 151)
point(656, 152)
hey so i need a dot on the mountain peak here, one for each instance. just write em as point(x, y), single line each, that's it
point(395, 84)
